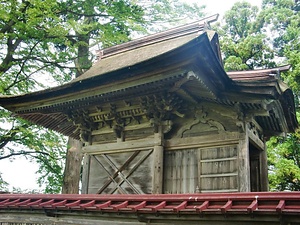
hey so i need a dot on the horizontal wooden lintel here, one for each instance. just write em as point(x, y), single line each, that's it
point(127, 128)
point(219, 175)
point(221, 140)
point(256, 140)
point(141, 144)
point(218, 160)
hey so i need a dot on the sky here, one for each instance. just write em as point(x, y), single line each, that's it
point(21, 173)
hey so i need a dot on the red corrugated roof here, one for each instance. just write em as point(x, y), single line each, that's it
point(221, 203)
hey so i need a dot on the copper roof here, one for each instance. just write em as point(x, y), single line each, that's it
point(276, 207)
point(258, 74)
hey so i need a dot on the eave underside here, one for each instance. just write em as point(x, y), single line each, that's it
point(259, 102)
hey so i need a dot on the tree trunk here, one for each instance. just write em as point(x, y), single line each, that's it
point(72, 173)
point(73, 167)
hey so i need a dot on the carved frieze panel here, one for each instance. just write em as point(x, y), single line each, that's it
point(198, 121)
point(144, 113)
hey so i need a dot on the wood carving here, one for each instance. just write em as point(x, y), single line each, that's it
point(161, 108)
point(157, 110)
point(256, 130)
point(200, 123)
point(83, 122)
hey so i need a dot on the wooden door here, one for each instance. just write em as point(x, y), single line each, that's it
point(201, 170)
point(254, 168)
point(121, 173)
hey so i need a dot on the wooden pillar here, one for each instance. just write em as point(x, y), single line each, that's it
point(85, 173)
point(264, 170)
point(244, 164)
point(158, 160)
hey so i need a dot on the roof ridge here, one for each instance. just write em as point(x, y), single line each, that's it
point(176, 32)
point(270, 70)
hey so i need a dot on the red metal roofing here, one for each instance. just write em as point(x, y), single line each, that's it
point(276, 203)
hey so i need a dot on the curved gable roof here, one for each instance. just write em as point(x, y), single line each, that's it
point(189, 56)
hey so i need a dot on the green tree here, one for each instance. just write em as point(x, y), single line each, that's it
point(242, 41)
point(284, 163)
point(283, 20)
point(3, 185)
point(261, 39)
point(42, 37)
point(46, 37)
point(29, 32)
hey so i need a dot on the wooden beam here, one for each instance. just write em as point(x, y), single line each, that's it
point(264, 181)
point(158, 163)
point(226, 138)
point(256, 141)
point(157, 181)
point(140, 144)
point(244, 164)
point(85, 173)
point(126, 128)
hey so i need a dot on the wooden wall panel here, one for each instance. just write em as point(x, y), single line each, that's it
point(219, 169)
point(181, 171)
point(121, 173)
point(201, 170)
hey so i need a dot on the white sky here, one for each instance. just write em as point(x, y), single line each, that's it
point(21, 173)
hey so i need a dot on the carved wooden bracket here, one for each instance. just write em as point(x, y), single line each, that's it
point(83, 122)
point(256, 130)
point(159, 110)
point(162, 108)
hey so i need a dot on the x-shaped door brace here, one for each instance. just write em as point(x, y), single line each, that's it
point(118, 172)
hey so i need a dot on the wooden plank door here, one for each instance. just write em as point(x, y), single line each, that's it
point(201, 170)
point(121, 173)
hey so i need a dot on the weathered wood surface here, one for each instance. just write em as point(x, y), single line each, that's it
point(122, 146)
point(217, 140)
point(244, 165)
point(157, 170)
point(181, 171)
point(203, 149)
point(264, 171)
point(201, 170)
point(121, 173)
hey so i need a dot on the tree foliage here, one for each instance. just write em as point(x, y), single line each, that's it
point(243, 42)
point(264, 39)
point(284, 163)
point(3, 185)
point(46, 42)
point(283, 20)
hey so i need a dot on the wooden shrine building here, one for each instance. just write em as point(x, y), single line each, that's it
point(159, 115)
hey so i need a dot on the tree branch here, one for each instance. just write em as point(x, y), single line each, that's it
point(84, 14)
point(9, 136)
point(24, 153)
